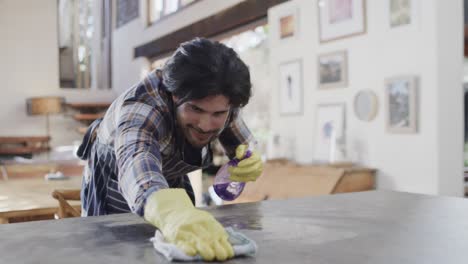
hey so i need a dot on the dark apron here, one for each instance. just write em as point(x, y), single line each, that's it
point(101, 193)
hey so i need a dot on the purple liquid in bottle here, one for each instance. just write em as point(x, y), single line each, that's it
point(229, 191)
point(225, 188)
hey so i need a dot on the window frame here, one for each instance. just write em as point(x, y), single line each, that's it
point(163, 16)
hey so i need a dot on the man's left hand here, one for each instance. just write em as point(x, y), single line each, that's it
point(249, 168)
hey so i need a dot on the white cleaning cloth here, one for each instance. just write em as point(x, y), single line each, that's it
point(242, 245)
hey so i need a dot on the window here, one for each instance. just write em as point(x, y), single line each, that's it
point(158, 9)
point(75, 25)
point(247, 40)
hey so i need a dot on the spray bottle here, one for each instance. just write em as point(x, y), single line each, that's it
point(225, 188)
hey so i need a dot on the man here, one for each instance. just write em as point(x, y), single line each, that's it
point(158, 131)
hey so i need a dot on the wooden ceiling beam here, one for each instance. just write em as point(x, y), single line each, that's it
point(239, 15)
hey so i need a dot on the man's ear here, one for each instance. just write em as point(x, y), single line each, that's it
point(175, 98)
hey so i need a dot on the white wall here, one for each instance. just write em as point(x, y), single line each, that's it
point(29, 67)
point(450, 52)
point(429, 161)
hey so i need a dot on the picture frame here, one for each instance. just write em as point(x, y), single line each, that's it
point(402, 13)
point(401, 99)
point(291, 91)
point(329, 138)
point(288, 24)
point(333, 70)
point(366, 105)
point(341, 18)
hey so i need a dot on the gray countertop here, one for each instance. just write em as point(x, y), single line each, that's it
point(367, 227)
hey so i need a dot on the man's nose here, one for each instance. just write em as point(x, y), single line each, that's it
point(206, 123)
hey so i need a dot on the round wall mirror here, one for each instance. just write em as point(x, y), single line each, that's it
point(366, 105)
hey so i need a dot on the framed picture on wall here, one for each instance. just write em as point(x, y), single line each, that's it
point(329, 132)
point(333, 70)
point(288, 23)
point(287, 26)
point(402, 13)
point(341, 18)
point(290, 94)
point(401, 104)
point(366, 105)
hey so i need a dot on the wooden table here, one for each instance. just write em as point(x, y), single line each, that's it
point(12, 169)
point(31, 199)
point(366, 227)
point(26, 146)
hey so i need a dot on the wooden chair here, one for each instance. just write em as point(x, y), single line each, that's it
point(65, 210)
point(3, 171)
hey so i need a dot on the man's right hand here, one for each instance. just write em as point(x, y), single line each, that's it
point(192, 230)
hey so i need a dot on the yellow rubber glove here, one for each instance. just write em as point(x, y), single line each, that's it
point(192, 230)
point(248, 169)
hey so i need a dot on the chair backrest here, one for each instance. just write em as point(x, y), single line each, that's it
point(3, 171)
point(65, 209)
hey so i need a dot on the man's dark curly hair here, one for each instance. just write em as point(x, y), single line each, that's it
point(201, 68)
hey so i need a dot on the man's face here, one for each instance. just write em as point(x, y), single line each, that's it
point(202, 120)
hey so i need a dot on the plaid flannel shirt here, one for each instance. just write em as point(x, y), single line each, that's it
point(139, 132)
